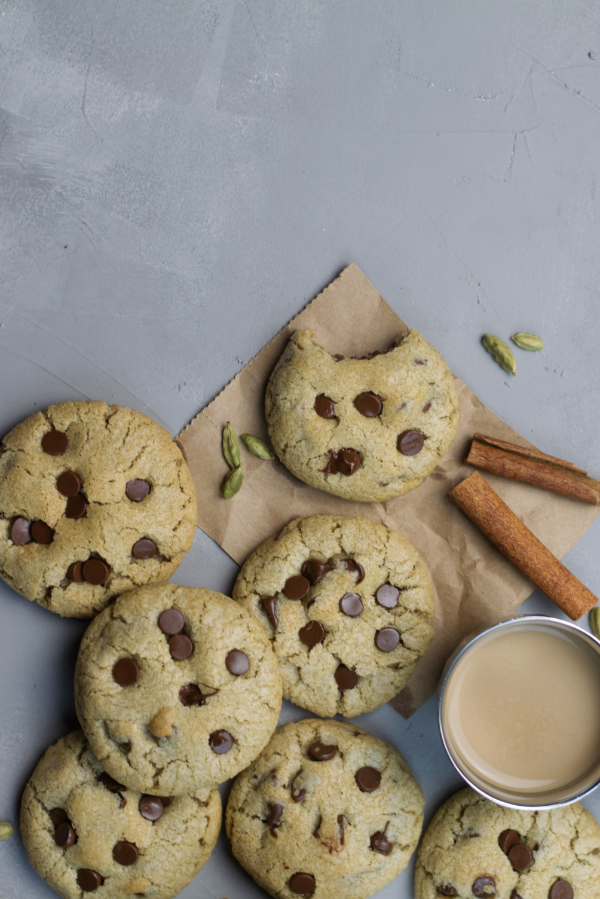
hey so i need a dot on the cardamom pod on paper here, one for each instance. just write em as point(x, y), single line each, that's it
point(257, 447)
point(231, 447)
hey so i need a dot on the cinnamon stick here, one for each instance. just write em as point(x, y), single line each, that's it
point(483, 506)
point(533, 467)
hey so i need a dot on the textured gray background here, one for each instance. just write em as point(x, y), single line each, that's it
point(178, 178)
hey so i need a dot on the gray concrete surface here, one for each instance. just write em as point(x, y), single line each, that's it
point(179, 177)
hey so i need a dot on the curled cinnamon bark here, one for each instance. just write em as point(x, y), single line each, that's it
point(483, 506)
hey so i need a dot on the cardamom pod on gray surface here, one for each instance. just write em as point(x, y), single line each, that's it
point(528, 341)
point(501, 353)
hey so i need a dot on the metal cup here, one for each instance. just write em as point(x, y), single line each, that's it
point(511, 798)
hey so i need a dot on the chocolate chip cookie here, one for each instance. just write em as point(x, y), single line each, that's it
point(346, 604)
point(84, 832)
point(326, 810)
point(176, 688)
point(364, 429)
point(94, 500)
point(475, 848)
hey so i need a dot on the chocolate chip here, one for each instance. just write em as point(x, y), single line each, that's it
point(340, 821)
point(352, 565)
point(168, 800)
point(410, 443)
point(122, 801)
point(387, 639)
point(420, 362)
point(41, 532)
point(346, 678)
point(220, 741)
point(351, 605)
point(296, 587)
point(447, 890)
point(150, 808)
point(126, 746)
point(484, 887)
point(331, 463)
point(237, 662)
point(95, 571)
point(88, 880)
point(76, 506)
point(508, 839)
point(126, 672)
point(368, 779)
point(75, 572)
point(368, 404)
point(190, 695)
point(426, 407)
point(515, 895)
point(137, 490)
point(380, 843)
point(520, 856)
point(125, 853)
point(348, 461)
point(269, 604)
point(300, 796)
point(68, 483)
point(180, 647)
point(144, 548)
point(20, 531)
point(302, 883)
point(324, 406)
point(275, 813)
point(57, 816)
point(315, 571)
point(322, 752)
point(338, 357)
point(386, 596)
point(562, 889)
point(110, 783)
point(312, 633)
point(65, 835)
point(171, 622)
point(55, 443)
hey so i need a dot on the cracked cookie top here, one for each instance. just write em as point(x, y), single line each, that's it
point(326, 810)
point(364, 429)
point(94, 501)
point(176, 688)
point(346, 604)
point(84, 832)
point(475, 848)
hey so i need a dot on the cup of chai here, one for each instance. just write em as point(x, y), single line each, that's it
point(519, 712)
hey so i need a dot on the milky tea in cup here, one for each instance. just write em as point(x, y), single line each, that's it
point(520, 712)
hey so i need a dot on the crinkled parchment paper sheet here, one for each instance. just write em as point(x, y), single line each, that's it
point(475, 585)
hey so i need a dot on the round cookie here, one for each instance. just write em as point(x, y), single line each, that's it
point(326, 810)
point(364, 429)
point(94, 500)
point(83, 832)
point(475, 848)
point(176, 688)
point(346, 604)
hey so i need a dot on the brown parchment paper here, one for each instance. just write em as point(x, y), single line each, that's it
point(475, 585)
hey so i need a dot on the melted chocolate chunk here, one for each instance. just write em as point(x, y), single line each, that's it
point(447, 890)
point(300, 796)
point(312, 633)
point(386, 596)
point(348, 461)
point(274, 819)
point(137, 490)
point(351, 605)
point(126, 746)
point(110, 783)
point(322, 752)
point(426, 407)
point(315, 571)
point(220, 741)
point(410, 443)
point(324, 406)
point(151, 807)
point(340, 821)
point(55, 443)
point(190, 695)
point(269, 604)
point(126, 672)
point(302, 883)
point(171, 622)
point(68, 483)
point(380, 842)
point(296, 587)
point(484, 887)
point(387, 639)
point(368, 779)
point(368, 404)
point(89, 880)
point(20, 531)
point(346, 678)
point(41, 532)
point(352, 565)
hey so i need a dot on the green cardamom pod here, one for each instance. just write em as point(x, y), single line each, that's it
point(501, 353)
point(257, 447)
point(233, 482)
point(595, 622)
point(231, 447)
point(6, 830)
point(528, 341)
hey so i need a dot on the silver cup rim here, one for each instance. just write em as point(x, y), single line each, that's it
point(448, 668)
